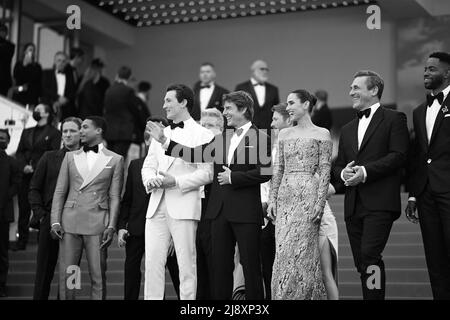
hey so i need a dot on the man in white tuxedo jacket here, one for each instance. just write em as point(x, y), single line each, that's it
point(175, 205)
point(85, 208)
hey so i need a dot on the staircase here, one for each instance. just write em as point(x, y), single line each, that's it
point(404, 259)
point(406, 277)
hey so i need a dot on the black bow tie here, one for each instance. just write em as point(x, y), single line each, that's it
point(86, 148)
point(206, 86)
point(259, 84)
point(439, 97)
point(362, 113)
point(177, 125)
point(238, 132)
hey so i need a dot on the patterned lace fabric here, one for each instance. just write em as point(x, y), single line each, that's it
point(295, 192)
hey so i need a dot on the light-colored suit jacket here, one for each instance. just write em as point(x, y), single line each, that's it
point(87, 202)
point(184, 200)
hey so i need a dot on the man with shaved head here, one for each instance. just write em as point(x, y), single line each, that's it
point(264, 94)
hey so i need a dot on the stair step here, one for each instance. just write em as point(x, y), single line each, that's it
point(399, 275)
point(112, 289)
point(404, 262)
point(410, 289)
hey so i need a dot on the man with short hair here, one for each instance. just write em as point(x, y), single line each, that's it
point(59, 88)
point(40, 196)
point(207, 94)
point(131, 226)
point(429, 172)
point(321, 114)
point(85, 208)
point(10, 179)
point(74, 65)
point(121, 113)
point(174, 208)
point(372, 150)
point(92, 89)
point(264, 94)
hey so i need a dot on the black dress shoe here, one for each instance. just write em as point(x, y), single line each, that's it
point(3, 291)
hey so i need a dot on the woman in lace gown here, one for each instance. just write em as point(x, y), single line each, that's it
point(298, 193)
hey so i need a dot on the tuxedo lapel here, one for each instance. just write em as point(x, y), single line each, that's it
point(354, 135)
point(439, 118)
point(99, 165)
point(79, 158)
point(422, 130)
point(252, 91)
point(247, 141)
point(374, 123)
point(228, 135)
point(213, 98)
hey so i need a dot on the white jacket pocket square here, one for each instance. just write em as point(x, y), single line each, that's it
point(447, 115)
point(249, 146)
point(108, 167)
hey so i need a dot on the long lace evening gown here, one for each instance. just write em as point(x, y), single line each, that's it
point(295, 192)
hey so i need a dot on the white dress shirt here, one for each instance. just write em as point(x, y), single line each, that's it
point(432, 113)
point(260, 91)
point(60, 83)
point(363, 124)
point(91, 156)
point(430, 119)
point(205, 96)
point(235, 140)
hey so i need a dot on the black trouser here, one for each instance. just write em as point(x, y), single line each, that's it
point(47, 258)
point(434, 218)
point(4, 244)
point(204, 260)
point(24, 210)
point(268, 256)
point(368, 232)
point(224, 235)
point(119, 147)
point(135, 249)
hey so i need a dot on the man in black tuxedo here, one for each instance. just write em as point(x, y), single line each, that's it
point(429, 173)
point(121, 113)
point(264, 94)
point(34, 142)
point(131, 226)
point(207, 94)
point(42, 188)
point(91, 91)
point(321, 114)
point(212, 120)
point(10, 178)
point(372, 150)
point(59, 89)
point(142, 97)
point(6, 54)
point(241, 159)
point(74, 65)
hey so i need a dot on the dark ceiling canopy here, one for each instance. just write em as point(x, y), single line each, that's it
point(142, 13)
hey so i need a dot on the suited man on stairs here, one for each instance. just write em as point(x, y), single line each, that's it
point(429, 171)
point(85, 208)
